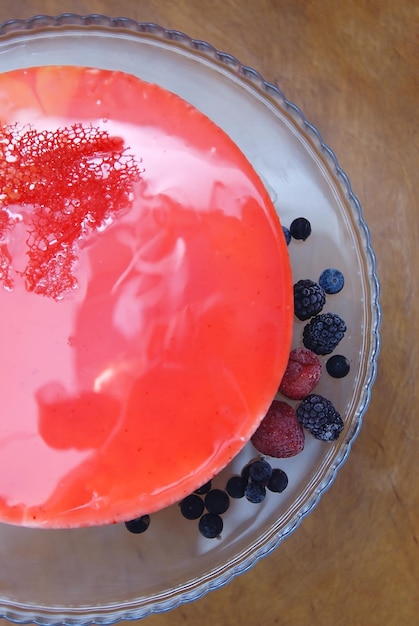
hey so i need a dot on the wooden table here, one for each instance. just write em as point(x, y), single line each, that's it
point(353, 67)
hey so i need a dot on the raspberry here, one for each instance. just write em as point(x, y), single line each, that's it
point(302, 374)
point(280, 434)
point(323, 333)
point(309, 299)
point(320, 417)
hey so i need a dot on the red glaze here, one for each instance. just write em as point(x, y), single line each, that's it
point(146, 308)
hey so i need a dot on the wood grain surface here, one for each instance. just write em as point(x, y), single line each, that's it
point(353, 68)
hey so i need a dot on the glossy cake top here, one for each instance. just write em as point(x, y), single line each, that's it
point(145, 297)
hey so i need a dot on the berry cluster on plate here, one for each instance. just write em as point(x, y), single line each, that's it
point(282, 432)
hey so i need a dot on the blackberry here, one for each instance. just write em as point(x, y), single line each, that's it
point(210, 525)
point(278, 481)
point(332, 280)
point(323, 333)
point(309, 299)
point(138, 525)
point(320, 417)
point(217, 501)
point(338, 366)
point(192, 507)
point(300, 228)
point(235, 487)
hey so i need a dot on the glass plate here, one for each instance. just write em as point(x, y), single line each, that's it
point(105, 574)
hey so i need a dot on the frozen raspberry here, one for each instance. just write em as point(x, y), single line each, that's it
point(309, 299)
point(302, 374)
point(279, 435)
point(320, 417)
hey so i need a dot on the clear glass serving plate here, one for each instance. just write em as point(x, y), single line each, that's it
point(105, 574)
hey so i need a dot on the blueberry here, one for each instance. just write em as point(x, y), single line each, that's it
point(300, 228)
point(245, 472)
point(217, 501)
point(287, 235)
point(255, 492)
point(260, 472)
point(204, 489)
point(235, 486)
point(338, 366)
point(278, 481)
point(138, 525)
point(210, 525)
point(331, 280)
point(192, 507)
